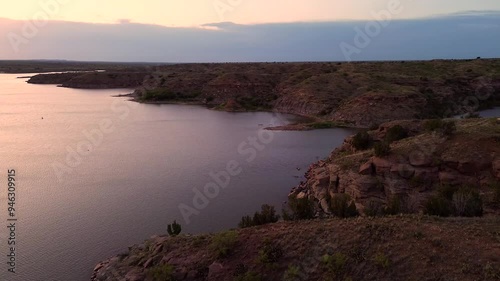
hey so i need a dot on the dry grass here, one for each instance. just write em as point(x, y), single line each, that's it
point(390, 248)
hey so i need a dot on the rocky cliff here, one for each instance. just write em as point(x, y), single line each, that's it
point(414, 168)
point(361, 94)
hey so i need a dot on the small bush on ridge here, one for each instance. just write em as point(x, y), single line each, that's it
point(362, 141)
point(382, 149)
point(224, 243)
point(267, 215)
point(396, 133)
point(342, 206)
point(299, 209)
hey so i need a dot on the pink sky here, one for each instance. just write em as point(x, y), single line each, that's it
point(197, 12)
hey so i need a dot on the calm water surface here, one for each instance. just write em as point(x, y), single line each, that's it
point(79, 203)
point(489, 113)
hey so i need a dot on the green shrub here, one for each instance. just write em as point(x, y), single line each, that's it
point(394, 206)
point(374, 209)
point(343, 207)
point(336, 263)
point(438, 206)
point(266, 216)
point(249, 276)
point(467, 203)
point(323, 125)
point(224, 243)
point(457, 201)
point(491, 272)
point(446, 128)
point(447, 191)
point(270, 253)
point(382, 149)
point(418, 235)
point(449, 128)
point(167, 95)
point(292, 273)
point(162, 272)
point(299, 209)
point(240, 269)
point(362, 141)
point(246, 221)
point(382, 261)
point(416, 181)
point(396, 133)
point(174, 229)
point(433, 125)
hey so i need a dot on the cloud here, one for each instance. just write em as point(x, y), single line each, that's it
point(124, 21)
point(464, 35)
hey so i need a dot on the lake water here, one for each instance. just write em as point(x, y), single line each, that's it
point(96, 174)
point(489, 113)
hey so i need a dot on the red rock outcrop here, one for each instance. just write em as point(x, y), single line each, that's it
point(415, 167)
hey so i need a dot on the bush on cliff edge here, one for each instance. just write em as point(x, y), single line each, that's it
point(342, 206)
point(455, 201)
point(396, 133)
point(266, 215)
point(382, 149)
point(299, 209)
point(362, 141)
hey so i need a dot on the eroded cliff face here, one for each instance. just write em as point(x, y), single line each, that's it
point(414, 169)
point(92, 80)
point(359, 94)
point(374, 108)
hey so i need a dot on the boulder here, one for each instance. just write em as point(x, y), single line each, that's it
point(301, 195)
point(474, 166)
point(324, 206)
point(397, 186)
point(366, 184)
point(334, 169)
point(158, 249)
point(419, 159)
point(381, 165)
point(319, 190)
point(99, 266)
point(451, 177)
point(367, 168)
point(148, 263)
point(215, 269)
point(334, 182)
point(425, 178)
point(323, 179)
point(403, 170)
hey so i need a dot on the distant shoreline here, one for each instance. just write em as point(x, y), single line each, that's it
point(355, 95)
